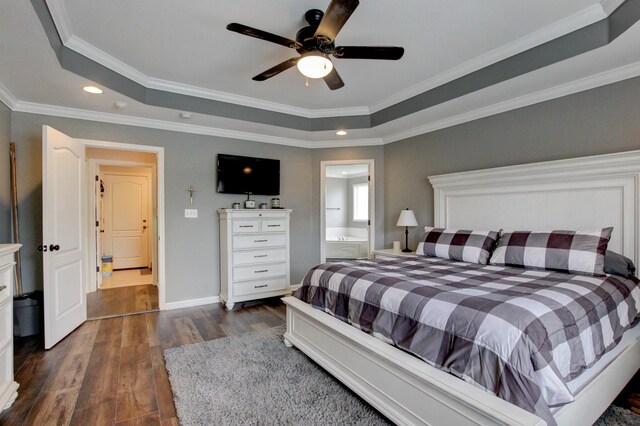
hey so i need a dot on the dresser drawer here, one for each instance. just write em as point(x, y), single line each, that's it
point(6, 368)
point(273, 225)
point(6, 317)
point(246, 225)
point(6, 281)
point(259, 256)
point(256, 272)
point(263, 286)
point(255, 241)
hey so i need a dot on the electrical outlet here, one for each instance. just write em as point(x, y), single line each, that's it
point(191, 213)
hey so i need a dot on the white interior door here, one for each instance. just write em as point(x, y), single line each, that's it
point(63, 232)
point(126, 220)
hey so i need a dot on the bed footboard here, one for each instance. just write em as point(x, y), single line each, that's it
point(403, 388)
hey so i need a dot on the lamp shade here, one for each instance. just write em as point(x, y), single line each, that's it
point(314, 65)
point(407, 218)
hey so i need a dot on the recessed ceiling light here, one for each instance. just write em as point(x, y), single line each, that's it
point(341, 132)
point(92, 89)
point(185, 115)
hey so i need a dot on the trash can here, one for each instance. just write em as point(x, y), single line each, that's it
point(26, 316)
point(107, 266)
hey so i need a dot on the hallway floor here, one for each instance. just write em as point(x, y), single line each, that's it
point(127, 278)
point(122, 301)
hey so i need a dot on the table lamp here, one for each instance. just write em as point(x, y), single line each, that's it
point(407, 219)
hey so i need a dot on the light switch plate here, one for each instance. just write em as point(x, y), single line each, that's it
point(191, 213)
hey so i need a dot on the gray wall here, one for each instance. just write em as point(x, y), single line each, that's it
point(5, 181)
point(598, 121)
point(336, 203)
point(192, 245)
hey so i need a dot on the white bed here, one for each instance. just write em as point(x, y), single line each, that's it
point(541, 196)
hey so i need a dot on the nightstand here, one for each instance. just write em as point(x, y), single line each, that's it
point(392, 253)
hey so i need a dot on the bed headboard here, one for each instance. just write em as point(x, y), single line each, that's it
point(581, 193)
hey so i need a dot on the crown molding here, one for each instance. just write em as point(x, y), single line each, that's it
point(586, 83)
point(559, 28)
point(61, 19)
point(185, 89)
point(103, 117)
point(7, 98)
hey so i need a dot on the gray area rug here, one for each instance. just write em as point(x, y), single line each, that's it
point(254, 379)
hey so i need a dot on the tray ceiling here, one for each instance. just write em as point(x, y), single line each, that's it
point(183, 47)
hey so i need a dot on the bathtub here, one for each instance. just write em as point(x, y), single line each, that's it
point(346, 243)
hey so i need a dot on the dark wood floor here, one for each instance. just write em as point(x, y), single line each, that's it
point(112, 371)
point(122, 300)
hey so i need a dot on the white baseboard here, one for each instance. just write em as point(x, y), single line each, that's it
point(191, 302)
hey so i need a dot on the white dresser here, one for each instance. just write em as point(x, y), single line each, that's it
point(8, 387)
point(254, 254)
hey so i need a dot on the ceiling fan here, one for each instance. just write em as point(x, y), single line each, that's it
point(317, 41)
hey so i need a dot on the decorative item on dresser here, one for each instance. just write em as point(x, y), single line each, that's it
point(254, 254)
point(8, 386)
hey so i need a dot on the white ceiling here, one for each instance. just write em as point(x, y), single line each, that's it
point(184, 47)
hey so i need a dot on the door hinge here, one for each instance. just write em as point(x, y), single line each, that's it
point(97, 223)
point(369, 178)
point(369, 222)
point(96, 178)
point(97, 269)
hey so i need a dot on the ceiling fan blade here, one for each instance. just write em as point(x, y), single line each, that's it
point(335, 17)
point(333, 80)
point(283, 66)
point(262, 35)
point(369, 52)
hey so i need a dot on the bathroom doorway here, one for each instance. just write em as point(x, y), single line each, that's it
point(347, 213)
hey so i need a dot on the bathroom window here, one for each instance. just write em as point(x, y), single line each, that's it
point(360, 202)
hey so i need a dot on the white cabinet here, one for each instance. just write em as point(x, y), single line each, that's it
point(254, 254)
point(8, 387)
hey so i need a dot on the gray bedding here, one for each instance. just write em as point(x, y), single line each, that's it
point(520, 334)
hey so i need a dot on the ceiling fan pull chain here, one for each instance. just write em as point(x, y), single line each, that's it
point(306, 82)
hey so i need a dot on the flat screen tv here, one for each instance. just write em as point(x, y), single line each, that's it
point(244, 175)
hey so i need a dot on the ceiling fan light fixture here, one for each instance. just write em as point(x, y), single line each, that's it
point(314, 65)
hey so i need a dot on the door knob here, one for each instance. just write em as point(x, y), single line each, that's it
point(42, 248)
point(54, 247)
point(144, 227)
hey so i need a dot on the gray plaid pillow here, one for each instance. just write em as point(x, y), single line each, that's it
point(458, 244)
point(580, 252)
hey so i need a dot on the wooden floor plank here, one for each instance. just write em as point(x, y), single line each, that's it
point(100, 382)
point(147, 420)
point(134, 330)
point(103, 413)
point(53, 408)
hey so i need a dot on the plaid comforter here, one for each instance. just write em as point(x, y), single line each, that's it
point(520, 334)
